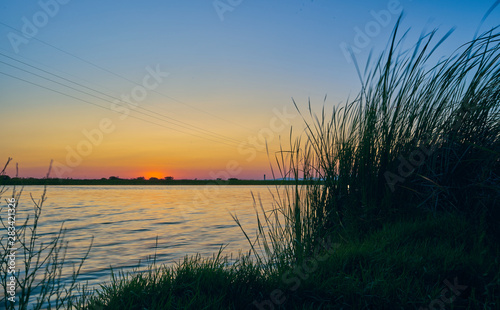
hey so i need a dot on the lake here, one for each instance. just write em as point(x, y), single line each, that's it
point(125, 222)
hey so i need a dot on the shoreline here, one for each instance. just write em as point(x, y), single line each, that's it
point(30, 181)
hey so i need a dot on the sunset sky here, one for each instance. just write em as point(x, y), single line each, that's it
point(189, 89)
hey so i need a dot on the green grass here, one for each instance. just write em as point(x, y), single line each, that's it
point(401, 266)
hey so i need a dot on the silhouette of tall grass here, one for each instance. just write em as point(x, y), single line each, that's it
point(419, 137)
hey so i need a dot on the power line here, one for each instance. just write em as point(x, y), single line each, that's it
point(125, 78)
point(182, 124)
point(106, 108)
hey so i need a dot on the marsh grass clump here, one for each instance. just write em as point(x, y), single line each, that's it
point(419, 138)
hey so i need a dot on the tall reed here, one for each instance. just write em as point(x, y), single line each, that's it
point(419, 137)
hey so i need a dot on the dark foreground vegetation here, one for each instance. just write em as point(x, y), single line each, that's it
point(400, 211)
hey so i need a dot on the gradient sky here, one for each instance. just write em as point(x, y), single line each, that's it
point(233, 68)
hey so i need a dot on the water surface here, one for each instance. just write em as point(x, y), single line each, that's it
point(126, 221)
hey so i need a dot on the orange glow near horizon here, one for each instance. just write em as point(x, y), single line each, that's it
point(154, 174)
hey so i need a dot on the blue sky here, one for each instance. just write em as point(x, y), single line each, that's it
point(227, 71)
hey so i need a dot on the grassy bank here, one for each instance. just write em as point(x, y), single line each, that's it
point(400, 212)
point(402, 265)
point(399, 208)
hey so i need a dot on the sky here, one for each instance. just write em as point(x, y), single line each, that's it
point(189, 89)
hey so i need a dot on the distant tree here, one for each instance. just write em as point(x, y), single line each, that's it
point(153, 179)
point(233, 179)
point(114, 178)
point(169, 178)
point(141, 178)
point(103, 179)
point(4, 177)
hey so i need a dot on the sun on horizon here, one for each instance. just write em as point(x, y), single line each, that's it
point(154, 174)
